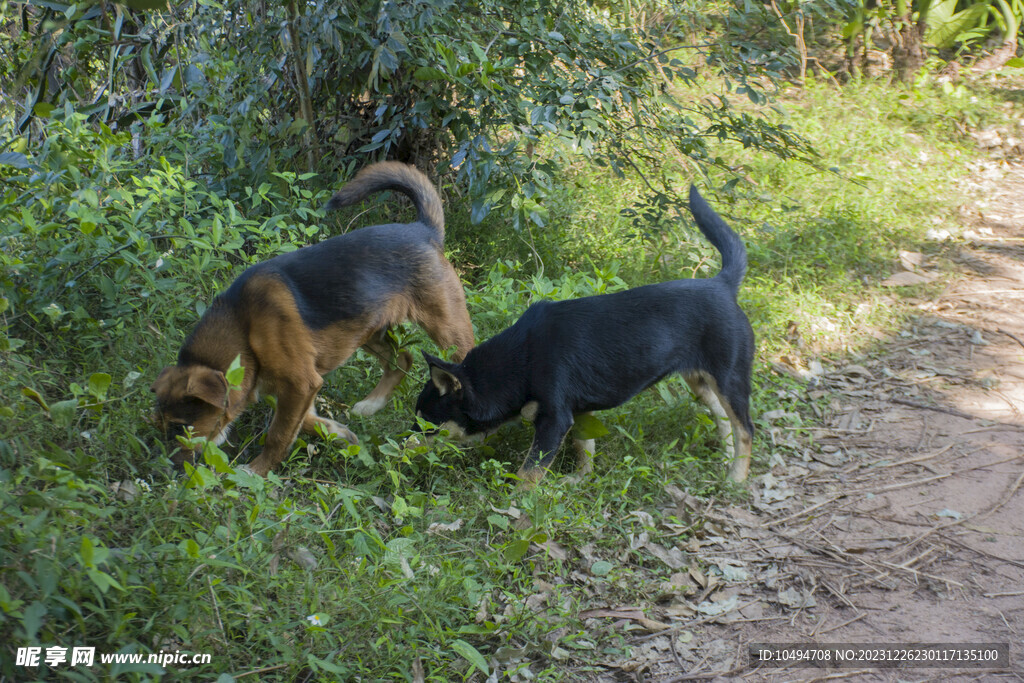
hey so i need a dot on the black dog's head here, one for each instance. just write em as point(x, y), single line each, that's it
point(443, 400)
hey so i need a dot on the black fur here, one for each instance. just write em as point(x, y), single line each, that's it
point(348, 275)
point(597, 352)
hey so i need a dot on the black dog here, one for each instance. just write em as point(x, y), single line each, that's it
point(565, 358)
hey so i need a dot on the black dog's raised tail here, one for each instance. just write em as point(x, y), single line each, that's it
point(391, 175)
point(728, 243)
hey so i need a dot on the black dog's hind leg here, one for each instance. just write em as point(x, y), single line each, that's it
point(732, 419)
point(549, 430)
point(584, 456)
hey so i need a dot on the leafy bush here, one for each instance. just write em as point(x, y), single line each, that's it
point(500, 96)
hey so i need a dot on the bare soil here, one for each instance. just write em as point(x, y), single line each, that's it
point(903, 522)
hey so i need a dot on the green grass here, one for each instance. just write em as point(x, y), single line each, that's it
point(219, 563)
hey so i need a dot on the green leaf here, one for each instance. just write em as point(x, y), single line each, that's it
point(317, 663)
point(588, 427)
point(235, 372)
point(103, 580)
point(15, 159)
point(33, 619)
point(429, 73)
point(216, 458)
point(199, 477)
point(35, 396)
point(146, 4)
point(191, 548)
point(99, 382)
point(471, 655)
point(945, 32)
point(516, 549)
point(601, 568)
point(63, 412)
point(398, 549)
point(85, 552)
point(1015, 63)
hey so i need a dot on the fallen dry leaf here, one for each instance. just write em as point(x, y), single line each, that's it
point(911, 260)
point(672, 557)
point(653, 625)
point(438, 527)
point(554, 550)
point(906, 278)
point(632, 613)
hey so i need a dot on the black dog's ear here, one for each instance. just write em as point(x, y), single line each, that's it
point(443, 375)
point(445, 381)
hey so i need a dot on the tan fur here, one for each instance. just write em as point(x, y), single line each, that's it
point(736, 439)
point(284, 358)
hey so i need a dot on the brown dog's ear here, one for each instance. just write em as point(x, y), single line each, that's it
point(443, 375)
point(208, 385)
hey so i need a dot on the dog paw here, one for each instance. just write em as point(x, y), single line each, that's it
point(340, 430)
point(368, 406)
point(255, 468)
point(529, 478)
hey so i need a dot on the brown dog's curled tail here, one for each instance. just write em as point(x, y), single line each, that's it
point(392, 175)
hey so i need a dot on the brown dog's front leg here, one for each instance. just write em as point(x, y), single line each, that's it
point(294, 401)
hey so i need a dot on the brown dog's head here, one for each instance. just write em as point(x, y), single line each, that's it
point(191, 396)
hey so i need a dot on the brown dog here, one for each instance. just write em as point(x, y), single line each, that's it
point(299, 315)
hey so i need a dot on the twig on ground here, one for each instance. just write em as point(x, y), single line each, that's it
point(893, 487)
point(919, 458)
point(991, 428)
point(965, 546)
point(1003, 595)
point(755, 619)
point(845, 623)
point(906, 484)
point(938, 409)
point(840, 595)
point(1006, 497)
point(675, 652)
point(802, 512)
point(691, 624)
point(933, 577)
point(920, 556)
point(1014, 338)
point(1004, 500)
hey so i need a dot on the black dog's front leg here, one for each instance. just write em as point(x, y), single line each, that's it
point(549, 430)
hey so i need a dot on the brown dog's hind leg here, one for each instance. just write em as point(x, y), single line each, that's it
point(395, 365)
point(444, 316)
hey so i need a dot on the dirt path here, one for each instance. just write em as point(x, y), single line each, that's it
point(905, 520)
